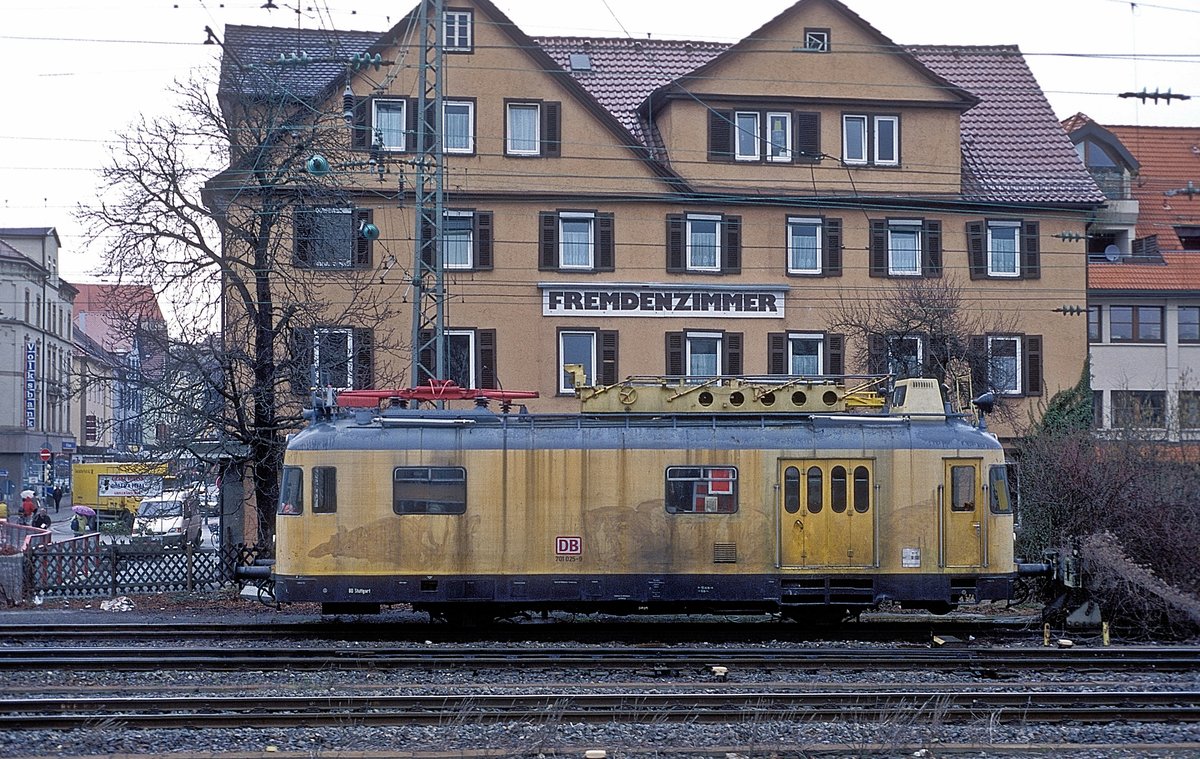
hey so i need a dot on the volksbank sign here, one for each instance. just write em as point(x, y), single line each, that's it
point(688, 301)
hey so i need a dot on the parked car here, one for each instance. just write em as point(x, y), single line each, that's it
point(172, 519)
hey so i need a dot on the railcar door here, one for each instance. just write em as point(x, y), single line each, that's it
point(826, 513)
point(962, 514)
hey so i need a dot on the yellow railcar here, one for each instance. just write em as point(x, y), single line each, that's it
point(799, 499)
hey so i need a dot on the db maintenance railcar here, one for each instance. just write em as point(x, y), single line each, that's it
point(806, 499)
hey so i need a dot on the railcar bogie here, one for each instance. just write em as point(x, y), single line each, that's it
point(645, 507)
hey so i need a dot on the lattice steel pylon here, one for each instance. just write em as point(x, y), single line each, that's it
point(428, 283)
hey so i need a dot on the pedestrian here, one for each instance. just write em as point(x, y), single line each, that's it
point(3, 509)
point(79, 524)
point(27, 509)
point(57, 494)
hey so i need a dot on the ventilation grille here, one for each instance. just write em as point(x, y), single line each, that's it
point(725, 553)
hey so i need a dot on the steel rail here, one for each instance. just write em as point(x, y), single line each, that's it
point(143, 658)
point(208, 711)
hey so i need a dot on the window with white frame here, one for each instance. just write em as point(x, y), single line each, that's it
point(871, 140)
point(576, 240)
point(1004, 248)
point(887, 140)
point(703, 354)
point(458, 239)
point(333, 355)
point(804, 355)
point(746, 139)
point(905, 356)
point(1004, 364)
point(389, 123)
point(703, 242)
point(804, 245)
point(779, 136)
point(460, 357)
point(524, 129)
point(458, 126)
point(576, 347)
point(904, 247)
point(456, 30)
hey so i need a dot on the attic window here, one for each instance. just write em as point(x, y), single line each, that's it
point(581, 62)
point(1189, 237)
point(816, 40)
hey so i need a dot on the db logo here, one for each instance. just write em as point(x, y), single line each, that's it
point(565, 545)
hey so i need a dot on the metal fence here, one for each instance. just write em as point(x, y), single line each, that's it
point(85, 566)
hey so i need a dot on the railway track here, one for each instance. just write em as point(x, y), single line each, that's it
point(637, 658)
point(1091, 707)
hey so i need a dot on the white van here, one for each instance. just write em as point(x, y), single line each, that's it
point(172, 519)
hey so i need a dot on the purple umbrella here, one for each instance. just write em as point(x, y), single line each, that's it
point(87, 511)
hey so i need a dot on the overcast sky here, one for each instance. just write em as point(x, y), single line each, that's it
point(76, 72)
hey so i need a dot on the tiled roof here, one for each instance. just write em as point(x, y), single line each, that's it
point(1177, 272)
point(1013, 148)
point(251, 59)
point(1169, 158)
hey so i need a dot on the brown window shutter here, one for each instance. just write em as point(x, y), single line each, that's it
point(675, 354)
point(976, 255)
point(361, 136)
point(605, 244)
point(879, 248)
point(1031, 250)
point(364, 358)
point(931, 251)
point(731, 248)
point(835, 354)
point(485, 340)
point(302, 223)
point(428, 244)
point(808, 137)
point(608, 356)
point(484, 233)
point(362, 246)
point(777, 353)
point(731, 345)
point(1033, 364)
point(548, 241)
point(552, 129)
point(832, 265)
point(877, 362)
point(676, 231)
point(428, 358)
point(720, 135)
point(410, 119)
point(301, 349)
point(977, 359)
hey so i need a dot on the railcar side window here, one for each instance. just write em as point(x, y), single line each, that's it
point(837, 489)
point(1001, 503)
point(291, 492)
point(862, 489)
point(324, 489)
point(791, 490)
point(429, 490)
point(962, 488)
point(701, 490)
point(815, 496)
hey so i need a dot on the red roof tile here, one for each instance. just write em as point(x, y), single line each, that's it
point(1169, 158)
point(1177, 272)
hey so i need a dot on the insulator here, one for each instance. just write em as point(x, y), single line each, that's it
point(348, 105)
point(369, 231)
point(318, 165)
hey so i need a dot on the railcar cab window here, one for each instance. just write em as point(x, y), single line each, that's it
point(701, 490)
point(962, 488)
point(429, 490)
point(998, 495)
point(324, 490)
point(291, 491)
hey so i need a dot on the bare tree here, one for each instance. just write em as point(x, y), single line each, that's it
point(923, 328)
point(211, 206)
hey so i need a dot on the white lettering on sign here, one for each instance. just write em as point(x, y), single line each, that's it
point(129, 486)
point(568, 545)
point(910, 557)
point(662, 300)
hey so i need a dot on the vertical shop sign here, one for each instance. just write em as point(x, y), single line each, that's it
point(30, 385)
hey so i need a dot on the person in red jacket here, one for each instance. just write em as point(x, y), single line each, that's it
point(27, 509)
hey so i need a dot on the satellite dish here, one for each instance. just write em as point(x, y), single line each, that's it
point(1112, 253)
